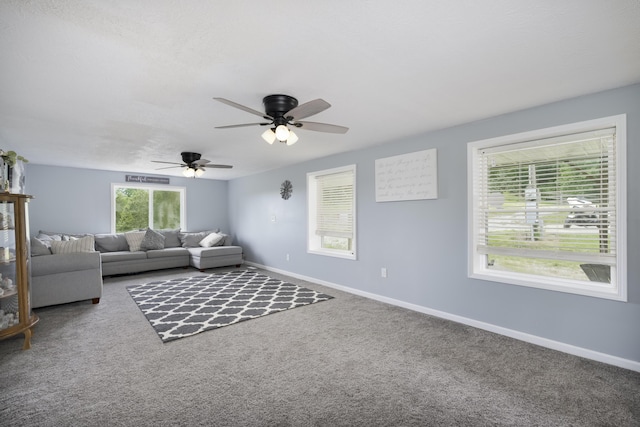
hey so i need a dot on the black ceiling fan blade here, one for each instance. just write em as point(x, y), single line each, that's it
point(243, 108)
point(242, 125)
point(321, 127)
point(307, 109)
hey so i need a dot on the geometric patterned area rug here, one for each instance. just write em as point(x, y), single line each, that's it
point(180, 308)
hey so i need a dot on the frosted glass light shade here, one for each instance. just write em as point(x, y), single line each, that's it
point(269, 136)
point(189, 173)
point(282, 133)
point(293, 138)
point(199, 172)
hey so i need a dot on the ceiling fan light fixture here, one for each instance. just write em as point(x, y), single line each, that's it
point(269, 136)
point(199, 172)
point(189, 172)
point(282, 133)
point(293, 138)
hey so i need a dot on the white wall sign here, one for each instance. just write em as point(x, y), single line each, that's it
point(412, 176)
point(147, 179)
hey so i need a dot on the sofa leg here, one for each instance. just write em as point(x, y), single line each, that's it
point(95, 300)
point(238, 265)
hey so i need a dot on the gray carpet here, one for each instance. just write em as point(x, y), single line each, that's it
point(346, 362)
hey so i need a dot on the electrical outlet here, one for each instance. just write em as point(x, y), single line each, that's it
point(287, 257)
point(383, 272)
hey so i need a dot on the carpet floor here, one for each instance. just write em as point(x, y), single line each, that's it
point(348, 361)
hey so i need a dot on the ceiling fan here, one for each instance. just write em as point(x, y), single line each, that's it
point(283, 112)
point(193, 163)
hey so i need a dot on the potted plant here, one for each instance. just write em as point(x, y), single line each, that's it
point(12, 173)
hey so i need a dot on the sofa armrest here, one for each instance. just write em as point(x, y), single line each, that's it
point(43, 265)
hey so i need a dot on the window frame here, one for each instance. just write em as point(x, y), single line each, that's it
point(151, 188)
point(314, 241)
point(477, 261)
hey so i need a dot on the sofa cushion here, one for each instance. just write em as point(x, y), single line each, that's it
point(83, 244)
point(215, 251)
point(212, 239)
point(152, 240)
point(111, 242)
point(38, 247)
point(171, 238)
point(167, 253)
point(134, 239)
point(123, 256)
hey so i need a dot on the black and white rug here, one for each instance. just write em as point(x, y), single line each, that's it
point(183, 307)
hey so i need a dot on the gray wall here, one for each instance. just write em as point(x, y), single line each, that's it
point(79, 200)
point(423, 244)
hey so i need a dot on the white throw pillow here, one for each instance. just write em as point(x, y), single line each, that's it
point(83, 244)
point(212, 239)
point(134, 239)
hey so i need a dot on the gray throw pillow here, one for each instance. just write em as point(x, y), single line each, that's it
point(47, 239)
point(228, 240)
point(171, 238)
point(38, 247)
point(152, 240)
point(111, 242)
point(192, 240)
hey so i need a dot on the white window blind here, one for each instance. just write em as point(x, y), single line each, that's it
point(335, 193)
point(547, 208)
point(566, 177)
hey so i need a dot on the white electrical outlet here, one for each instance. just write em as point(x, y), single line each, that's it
point(383, 272)
point(287, 257)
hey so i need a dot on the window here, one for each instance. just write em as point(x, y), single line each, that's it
point(547, 208)
point(332, 211)
point(137, 207)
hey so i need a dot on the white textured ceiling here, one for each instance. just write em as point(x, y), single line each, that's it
point(114, 84)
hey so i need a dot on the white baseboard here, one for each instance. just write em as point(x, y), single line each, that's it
point(533, 339)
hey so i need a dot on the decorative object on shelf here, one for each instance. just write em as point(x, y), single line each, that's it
point(12, 172)
point(6, 221)
point(285, 189)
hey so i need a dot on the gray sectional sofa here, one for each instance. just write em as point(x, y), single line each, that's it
point(63, 278)
point(68, 268)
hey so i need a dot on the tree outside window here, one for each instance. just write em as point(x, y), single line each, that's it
point(140, 207)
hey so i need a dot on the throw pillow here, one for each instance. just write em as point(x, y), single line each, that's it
point(48, 238)
point(134, 239)
point(38, 247)
point(111, 242)
point(63, 236)
point(228, 240)
point(192, 240)
point(152, 240)
point(212, 239)
point(83, 244)
point(171, 238)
